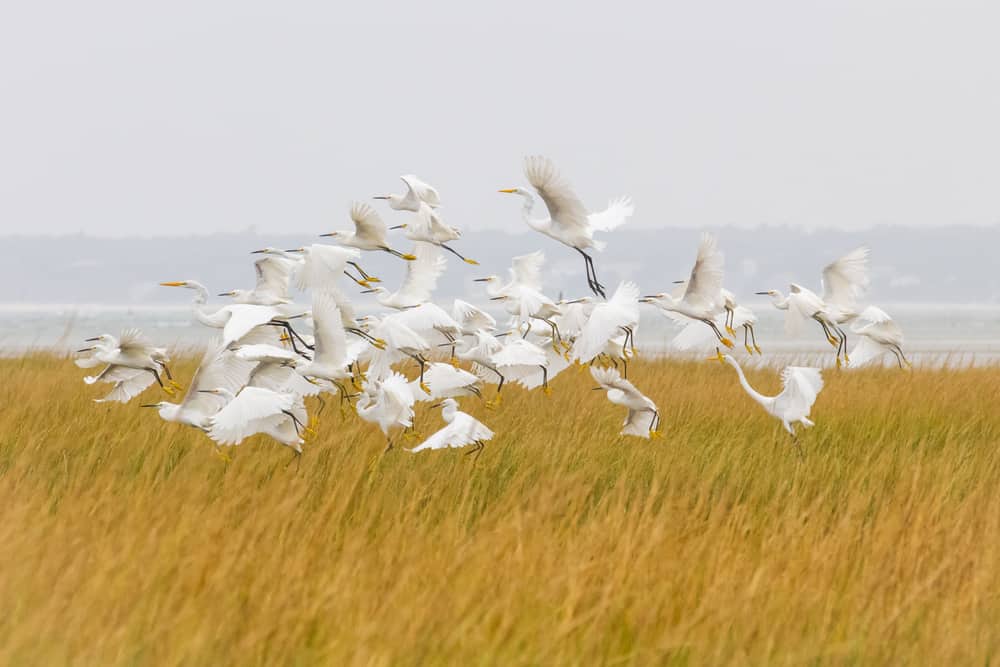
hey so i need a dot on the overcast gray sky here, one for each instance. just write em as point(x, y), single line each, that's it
point(163, 118)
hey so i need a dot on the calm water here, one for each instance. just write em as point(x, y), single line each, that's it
point(936, 334)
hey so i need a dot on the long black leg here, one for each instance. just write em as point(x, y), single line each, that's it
point(458, 254)
point(166, 370)
point(545, 377)
point(753, 337)
point(360, 270)
point(714, 328)
point(156, 375)
point(396, 253)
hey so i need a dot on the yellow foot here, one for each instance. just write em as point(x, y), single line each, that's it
point(453, 361)
point(730, 330)
point(565, 355)
point(547, 390)
point(655, 435)
point(755, 347)
point(169, 391)
point(427, 390)
point(312, 423)
point(847, 359)
point(373, 279)
point(408, 257)
point(833, 341)
point(471, 261)
point(308, 434)
point(364, 283)
point(749, 349)
point(566, 346)
point(174, 384)
point(728, 343)
point(357, 385)
point(379, 344)
point(838, 362)
point(635, 351)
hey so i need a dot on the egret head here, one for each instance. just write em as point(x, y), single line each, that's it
point(492, 280)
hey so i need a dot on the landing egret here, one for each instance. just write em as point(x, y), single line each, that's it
point(522, 296)
point(568, 221)
point(702, 295)
point(281, 415)
point(607, 321)
point(799, 388)
point(330, 351)
point(426, 226)
point(388, 403)
point(370, 233)
point(131, 351)
point(462, 429)
point(417, 192)
point(219, 369)
point(643, 419)
point(734, 316)
point(878, 334)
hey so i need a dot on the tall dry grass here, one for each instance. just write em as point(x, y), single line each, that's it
point(124, 540)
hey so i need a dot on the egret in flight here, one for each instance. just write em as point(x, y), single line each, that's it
point(130, 351)
point(417, 192)
point(799, 388)
point(877, 334)
point(643, 419)
point(273, 276)
point(281, 415)
point(370, 233)
point(568, 221)
point(462, 429)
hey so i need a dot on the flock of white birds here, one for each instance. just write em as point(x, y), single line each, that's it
point(272, 353)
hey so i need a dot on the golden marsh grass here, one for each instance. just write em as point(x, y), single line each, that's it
point(125, 540)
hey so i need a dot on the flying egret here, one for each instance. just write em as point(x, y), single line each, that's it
point(844, 280)
point(369, 232)
point(275, 370)
point(607, 321)
point(417, 192)
point(799, 389)
point(273, 276)
point(388, 403)
point(462, 429)
point(643, 419)
point(877, 334)
point(702, 295)
point(130, 351)
point(734, 316)
point(522, 296)
point(568, 221)
point(319, 265)
point(470, 318)
point(219, 369)
point(426, 226)
point(281, 415)
point(446, 381)
point(238, 320)
point(421, 279)
point(330, 351)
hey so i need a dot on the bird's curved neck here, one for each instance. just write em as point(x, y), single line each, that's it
point(754, 394)
point(448, 412)
point(780, 301)
point(526, 208)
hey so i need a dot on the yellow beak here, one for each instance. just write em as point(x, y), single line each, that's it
point(176, 283)
point(508, 191)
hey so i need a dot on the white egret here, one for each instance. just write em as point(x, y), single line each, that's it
point(734, 316)
point(238, 320)
point(426, 226)
point(319, 265)
point(275, 370)
point(388, 403)
point(445, 381)
point(702, 295)
point(844, 280)
point(799, 388)
point(417, 192)
point(462, 429)
point(219, 369)
point(643, 419)
point(330, 359)
point(421, 279)
point(522, 295)
point(130, 351)
point(281, 415)
point(470, 318)
point(568, 221)
point(877, 334)
point(370, 233)
point(273, 276)
point(607, 321)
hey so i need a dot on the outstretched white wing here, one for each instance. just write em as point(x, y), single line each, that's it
point(128, 388)
point(463, 430)
point(133, 340)
point(470, 318)
point(368, 225)
point(422, 191)
point(329, 338)
point(219, 369)
point(445, 380)
point(526, 270)
point(846, 278)
point(323, 265)
point(800, 387)
point(705, 284)
point(618, 211)
point(565, 208)
point(421, 275)
point(253, 410)
point(606, 322)
point(273, 276)
point(244, 318)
